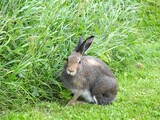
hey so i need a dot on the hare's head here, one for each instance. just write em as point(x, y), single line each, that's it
point(73, 64)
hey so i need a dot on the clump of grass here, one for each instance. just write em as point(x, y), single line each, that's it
point(36, 37)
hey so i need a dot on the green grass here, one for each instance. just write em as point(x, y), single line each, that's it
point(36, 37)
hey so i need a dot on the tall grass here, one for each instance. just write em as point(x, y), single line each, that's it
point(36, 37)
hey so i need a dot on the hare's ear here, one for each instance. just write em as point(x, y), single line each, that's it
point(85, 45)
point(79, 43)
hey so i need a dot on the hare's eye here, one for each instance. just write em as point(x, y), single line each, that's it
point(79, 62)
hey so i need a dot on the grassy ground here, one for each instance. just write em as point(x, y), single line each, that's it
point(138, 96)
point(36, 36)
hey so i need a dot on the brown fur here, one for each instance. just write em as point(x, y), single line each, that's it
point(89, 75)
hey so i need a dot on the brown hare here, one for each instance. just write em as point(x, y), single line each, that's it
point(88, 76)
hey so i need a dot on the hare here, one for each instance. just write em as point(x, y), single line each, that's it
point(88, 76)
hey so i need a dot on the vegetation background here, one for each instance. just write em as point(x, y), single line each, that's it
point(37, 35)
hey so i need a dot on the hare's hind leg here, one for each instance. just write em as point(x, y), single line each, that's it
point(105, 90)
point(106, 98)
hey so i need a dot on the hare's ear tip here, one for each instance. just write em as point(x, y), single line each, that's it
point(91, 36)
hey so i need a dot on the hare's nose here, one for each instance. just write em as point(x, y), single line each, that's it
point(70, 70)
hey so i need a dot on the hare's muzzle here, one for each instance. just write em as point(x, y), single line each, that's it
point(71, 71)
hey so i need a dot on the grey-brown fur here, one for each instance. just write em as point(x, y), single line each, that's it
point(88, 76)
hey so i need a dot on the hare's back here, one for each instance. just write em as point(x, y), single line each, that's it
point(96, 64)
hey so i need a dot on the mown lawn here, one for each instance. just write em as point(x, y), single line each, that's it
point(36, 37)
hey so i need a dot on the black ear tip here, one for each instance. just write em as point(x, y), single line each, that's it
point(91, 36)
